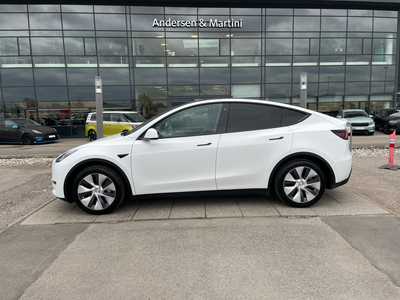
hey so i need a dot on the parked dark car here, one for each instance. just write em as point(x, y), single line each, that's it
point(388, 120)
point(26, 131)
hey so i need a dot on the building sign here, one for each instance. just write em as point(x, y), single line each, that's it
point(212, 23)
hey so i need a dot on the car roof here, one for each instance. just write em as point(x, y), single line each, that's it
point(118, 112)
point(353, 109)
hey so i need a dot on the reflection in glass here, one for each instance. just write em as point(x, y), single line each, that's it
point(385, 25)
point(74, 46)
point(333, 23)
point(81, 76)
point(82, 93)
point(150, 62)
point(245, 11)
point(312, 90)
point(147, 10)
point(182, 62)
point(312, 73)
point(300, 11)
point(382, 87)
point(15, 62)
point(279, 46)
point(78, 21)
point(358, 60)
point(109, 9)
point(357, 88)
point(358, 73)
point(246, 61)
point(215, 90)
point(334, 12)
point(278, 90)
point(188, 90)
point(114, 76)
point(246, 75)
point(306, 47)
point(333, 46)
point(47, 46)
point(77, 8)
point(214, 46)
point(331, 74)
point(150, 76)
point(213, 62)
point(19, 94)
point(278, 74)
point(11, 77)
point(331, 89)
point(182, 47)
point(246, 91)
point(383, 73)
point(279, 11)
point(283, 61)
point(360, 12)
point(214, 75)
point(113, 62)
point(8, 46)
point(49, 77)
point(306, 23)
point(44, 8)
point(13, 21)
point(110, 22)
point(183, 76)
point(144, 22)
point(150, 92)
point(305, 60)
point(148, 46)
point(13, 8)
point(248, 23)
point(82, 62)
point(279, 24)
point(117, 93)
point(24, 46)
point(112, 46)
point(48, 61)
point(51, 94)
point(45, 21)
point(360, 24)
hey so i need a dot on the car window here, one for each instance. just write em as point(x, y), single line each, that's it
point(10, 124)
point(246, 117)
point(115, 118)
point(291, 117)
point(106, 117)
point(197, 120)
point(93, 117)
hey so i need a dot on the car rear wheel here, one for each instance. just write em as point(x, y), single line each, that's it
point(92, 135)
point(300, 183)
point(27, 139)
point(98, 190)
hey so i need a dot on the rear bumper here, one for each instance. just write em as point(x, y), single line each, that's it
point(343, 182)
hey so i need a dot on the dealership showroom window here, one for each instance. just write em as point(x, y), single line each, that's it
point(151, 58)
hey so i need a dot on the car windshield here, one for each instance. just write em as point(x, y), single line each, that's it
point(134, 117)
point(394, 113)
point(355, 114)
point(27, 123)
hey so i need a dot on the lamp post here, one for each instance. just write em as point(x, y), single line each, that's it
point(99, 106)
point(303, 90)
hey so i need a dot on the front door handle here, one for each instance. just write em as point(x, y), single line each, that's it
point(200, 145)
point(279, 138)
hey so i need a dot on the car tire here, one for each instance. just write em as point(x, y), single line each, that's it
point(27, 139)
point(92, 135)
point(300, 190)
point(98, 190)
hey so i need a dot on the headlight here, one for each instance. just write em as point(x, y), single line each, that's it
point(371, 123)
point(392, 122)
point(65, 155)
point(37, 131)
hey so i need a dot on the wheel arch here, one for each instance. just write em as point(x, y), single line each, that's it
point(89, 163)
point(322, 163)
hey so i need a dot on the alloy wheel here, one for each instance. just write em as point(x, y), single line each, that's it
point(96, 191)
point(302, 184)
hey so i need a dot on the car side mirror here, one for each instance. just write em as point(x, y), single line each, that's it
point(15, 127)
point(151, 134)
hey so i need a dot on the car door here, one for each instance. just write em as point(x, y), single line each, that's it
point(254, 142)
point(182, 159)
point(11, 134)
point(106, 124)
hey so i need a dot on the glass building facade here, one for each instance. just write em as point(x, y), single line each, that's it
point(50, 55)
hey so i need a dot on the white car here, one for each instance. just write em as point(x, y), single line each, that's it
point(213, 147)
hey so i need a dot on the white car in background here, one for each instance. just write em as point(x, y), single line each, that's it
point(212, 147)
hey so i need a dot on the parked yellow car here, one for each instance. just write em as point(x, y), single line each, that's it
point(113, 122)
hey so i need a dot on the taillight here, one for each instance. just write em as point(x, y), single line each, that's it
point(343, 133)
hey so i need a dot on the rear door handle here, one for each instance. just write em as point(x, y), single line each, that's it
point(279, 138)
point(200, 145)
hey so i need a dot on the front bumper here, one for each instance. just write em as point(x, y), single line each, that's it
point(45, 138)
point(363, 129)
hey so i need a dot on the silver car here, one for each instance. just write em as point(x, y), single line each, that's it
point(359, 119)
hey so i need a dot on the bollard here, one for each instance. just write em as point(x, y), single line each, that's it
point(390, 165)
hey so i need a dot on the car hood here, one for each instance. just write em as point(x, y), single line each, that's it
point(359, 119)
point(43, 129)
point(393, 118)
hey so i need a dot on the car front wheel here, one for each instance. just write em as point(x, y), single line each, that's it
point(98, 190)
point(27, 139)
point(300, 183)
point(92, 135)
